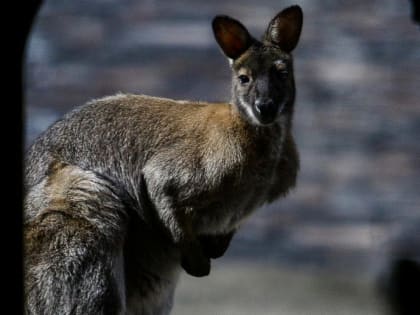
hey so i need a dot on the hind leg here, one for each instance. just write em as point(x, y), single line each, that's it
point(73, 248)
point(70, 268)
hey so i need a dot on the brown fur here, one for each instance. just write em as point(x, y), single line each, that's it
point(124, 190)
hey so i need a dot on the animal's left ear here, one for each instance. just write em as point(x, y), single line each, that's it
point(285, 28)
point(231, 36)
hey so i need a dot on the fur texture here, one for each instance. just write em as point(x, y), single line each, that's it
point(124, 191)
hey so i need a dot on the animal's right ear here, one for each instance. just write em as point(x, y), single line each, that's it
point(231, 36)
point(284, 30)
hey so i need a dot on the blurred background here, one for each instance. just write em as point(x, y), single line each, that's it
point(328, 246)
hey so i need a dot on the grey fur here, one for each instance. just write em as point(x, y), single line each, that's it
point(123, 191)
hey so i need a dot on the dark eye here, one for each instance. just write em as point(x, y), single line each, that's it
point(243, 79)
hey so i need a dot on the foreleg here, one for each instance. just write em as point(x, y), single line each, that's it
point(178, 224)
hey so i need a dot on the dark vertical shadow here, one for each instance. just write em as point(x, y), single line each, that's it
point(17, 28)
point(402, 284)
point(403, 287)
point(415, 11)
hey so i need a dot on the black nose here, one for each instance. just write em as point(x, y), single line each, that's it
point(266, 110)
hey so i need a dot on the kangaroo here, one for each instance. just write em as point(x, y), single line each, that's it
point(124, 191)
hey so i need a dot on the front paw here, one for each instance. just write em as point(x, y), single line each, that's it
point(214, 246)
point(195, 263)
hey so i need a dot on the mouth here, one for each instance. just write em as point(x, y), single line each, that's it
point(267, 113)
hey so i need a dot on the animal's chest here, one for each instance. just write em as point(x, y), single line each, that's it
point(216, 184)
point(221, 203)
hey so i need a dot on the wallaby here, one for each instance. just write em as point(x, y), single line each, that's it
point(124, 190)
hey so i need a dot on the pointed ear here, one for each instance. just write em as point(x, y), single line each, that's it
point(231, 36)
point(284, 30)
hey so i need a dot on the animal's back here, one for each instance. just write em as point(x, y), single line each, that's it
point(115, 135)
point(90, 128)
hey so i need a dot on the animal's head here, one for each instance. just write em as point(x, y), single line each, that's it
point(263, 83)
